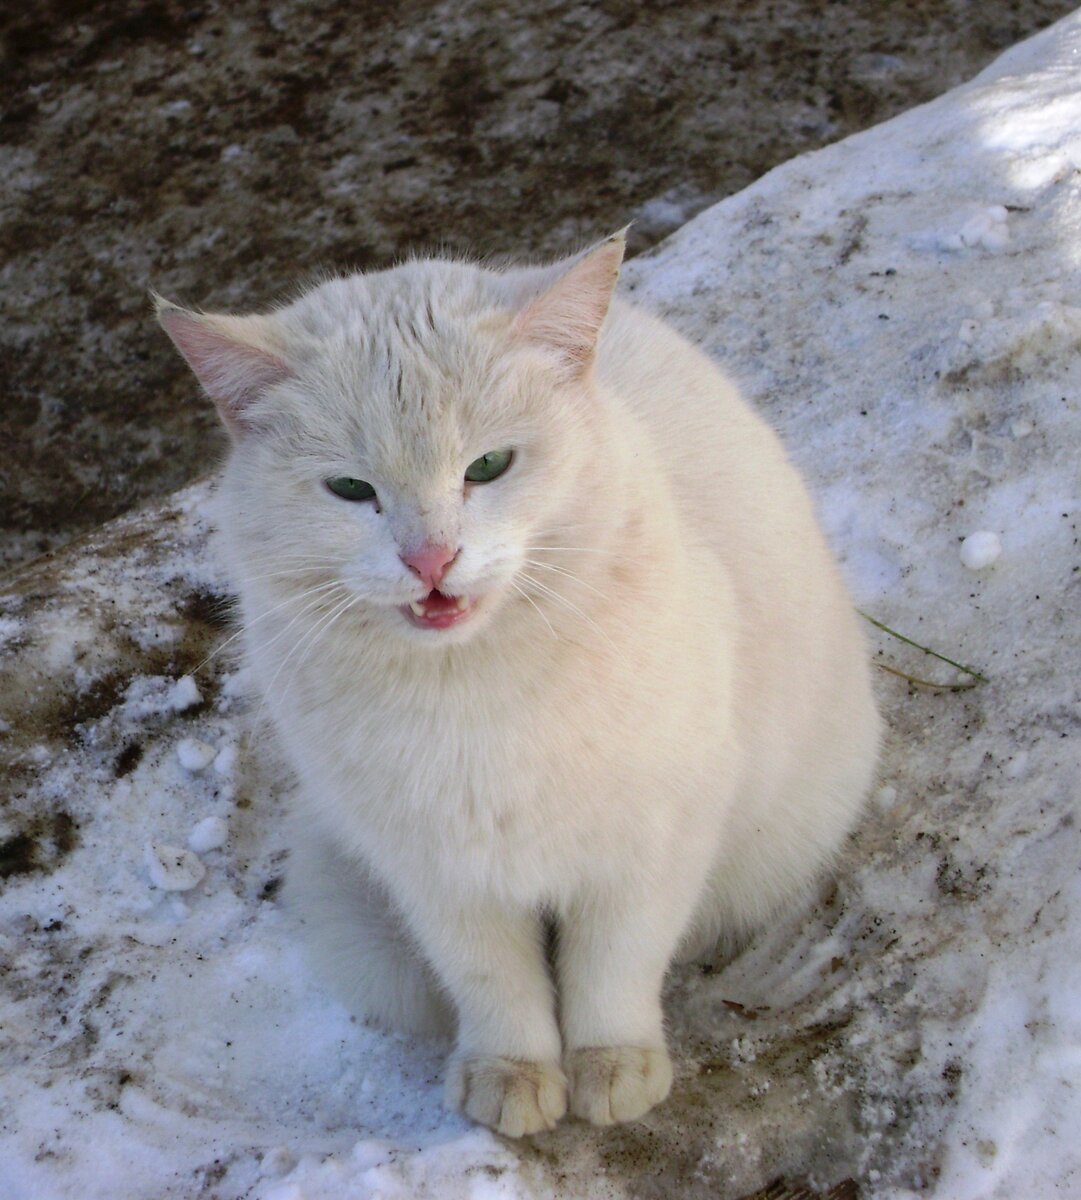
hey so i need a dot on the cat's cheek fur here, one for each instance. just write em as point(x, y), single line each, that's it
point(657, 748)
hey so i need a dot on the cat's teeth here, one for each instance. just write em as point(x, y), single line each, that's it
point(417, 607)
point(462, 603)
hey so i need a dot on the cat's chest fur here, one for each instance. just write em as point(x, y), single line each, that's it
point(514, 759)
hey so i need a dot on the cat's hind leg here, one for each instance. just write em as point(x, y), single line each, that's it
point(358, 942)
point(711, 939)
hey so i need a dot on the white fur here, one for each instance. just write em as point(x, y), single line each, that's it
point(665, 740)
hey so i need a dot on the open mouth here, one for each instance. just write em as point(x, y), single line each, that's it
point(437, 611)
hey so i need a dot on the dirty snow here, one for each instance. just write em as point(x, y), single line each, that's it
point(918, 1030)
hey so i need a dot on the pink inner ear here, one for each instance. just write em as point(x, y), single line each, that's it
point(232, 371)
point(568, 317)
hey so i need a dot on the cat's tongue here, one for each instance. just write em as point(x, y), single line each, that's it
point(437, 611)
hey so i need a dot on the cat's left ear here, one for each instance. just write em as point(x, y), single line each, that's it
point(567, 316)
point(236, 359)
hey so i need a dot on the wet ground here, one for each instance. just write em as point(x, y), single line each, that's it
point(222, 152)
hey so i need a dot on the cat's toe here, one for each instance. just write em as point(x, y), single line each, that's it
point(609, 1084)
point(509, 1095)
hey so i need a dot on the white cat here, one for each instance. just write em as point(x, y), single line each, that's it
point(548, 630)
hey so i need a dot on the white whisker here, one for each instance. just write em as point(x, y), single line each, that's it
point(545, 590)
point(312, 604)
point(304, 638)
point(325, 629)
point(533, 562)
point(526, 596)
point(288, 571)
point(262, 617)
point(296, 560)
point(307, 556)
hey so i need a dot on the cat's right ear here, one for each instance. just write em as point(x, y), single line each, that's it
point(236, 359)
point(567, 316)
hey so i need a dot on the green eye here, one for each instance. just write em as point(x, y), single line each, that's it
point(489, 466)
point(351, 489)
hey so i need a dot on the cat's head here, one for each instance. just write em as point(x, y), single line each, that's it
point(408, 446)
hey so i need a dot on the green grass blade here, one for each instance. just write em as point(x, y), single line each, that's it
point(927, 650)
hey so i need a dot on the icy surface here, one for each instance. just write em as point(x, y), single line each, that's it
point(917, 1031)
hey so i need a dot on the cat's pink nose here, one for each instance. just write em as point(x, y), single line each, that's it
point(430, 563)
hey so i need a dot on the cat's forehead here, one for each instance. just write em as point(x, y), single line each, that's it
point(414, 337)
point(411, 363)
point(409, 301)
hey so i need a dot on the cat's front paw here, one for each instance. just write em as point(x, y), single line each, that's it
point(609, 1084)
point(509, 1095)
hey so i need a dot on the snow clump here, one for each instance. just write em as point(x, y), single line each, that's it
point(987, 229)
point(195, 755)
point(185, 694)
point(172, 868)
point(980, 550)
point(210, 834)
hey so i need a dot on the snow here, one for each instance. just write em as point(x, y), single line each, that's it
point(210, 834)
point(10, 628)
point(184, 694)
point(194, 755)
point(225, 760)
point(980, 550)
point(917, 1029)
point(172, 868)
point(988, 229)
